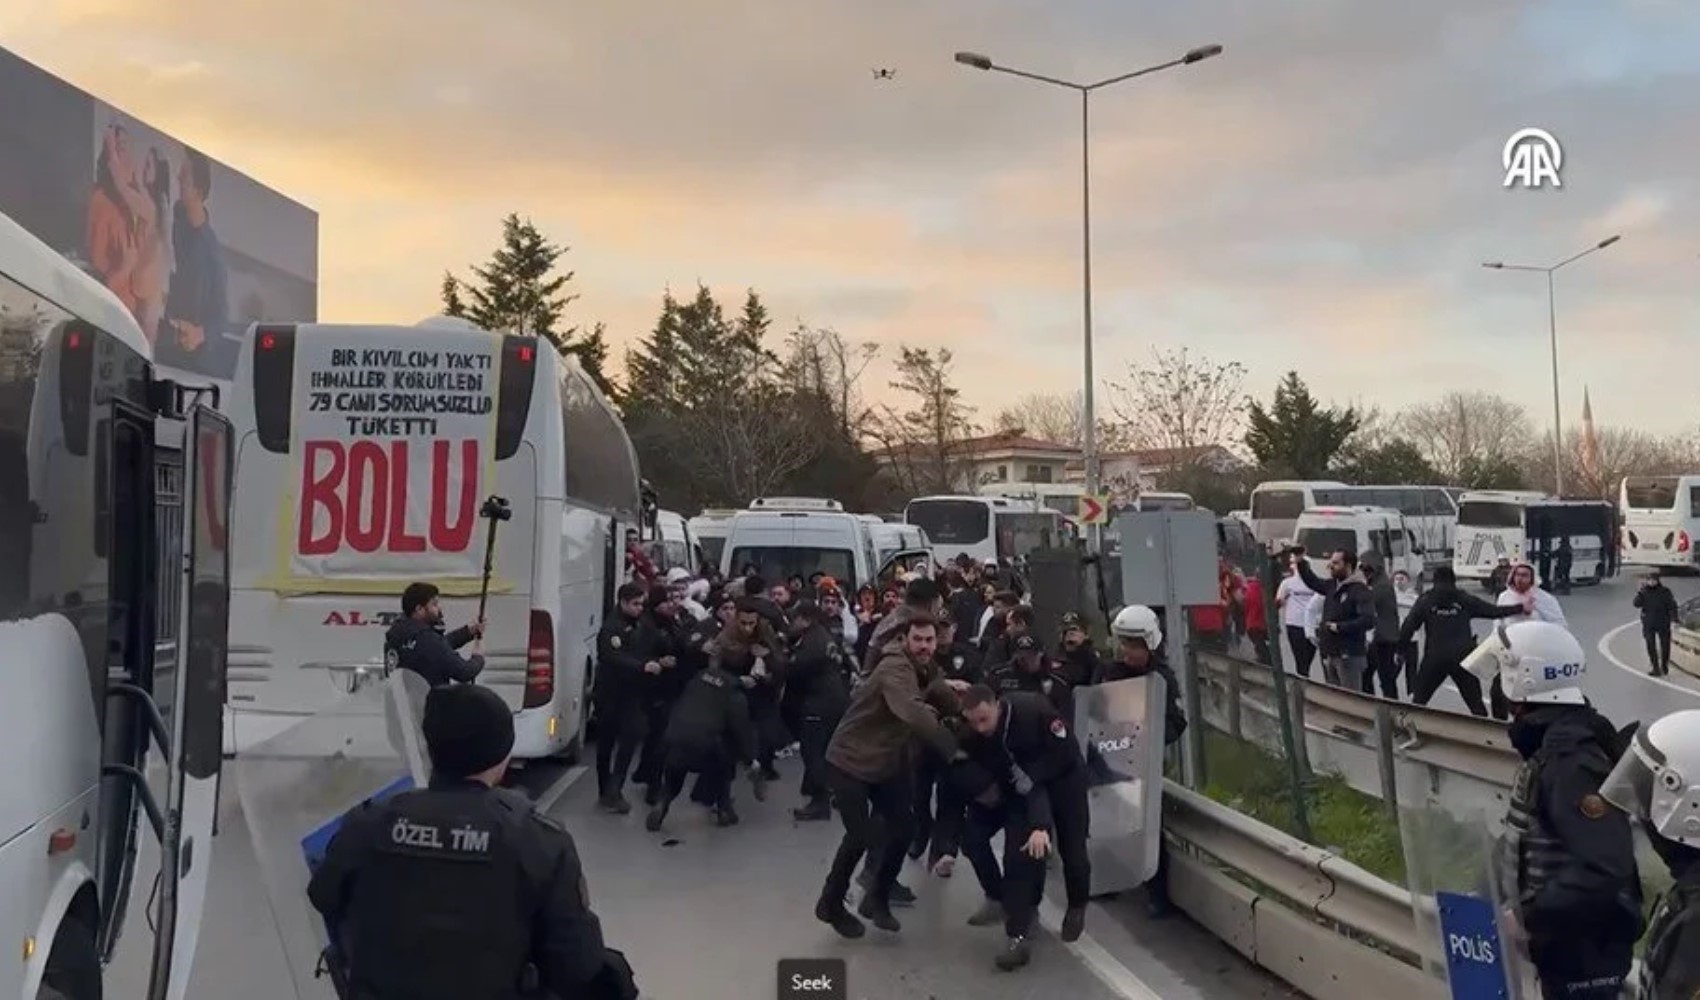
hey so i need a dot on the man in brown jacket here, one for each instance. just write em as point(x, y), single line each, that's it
point(871, 769)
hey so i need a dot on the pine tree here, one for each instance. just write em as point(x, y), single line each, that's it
point(520, 291)
point(1297, 436)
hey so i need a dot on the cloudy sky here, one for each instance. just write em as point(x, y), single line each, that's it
point(1320, 197)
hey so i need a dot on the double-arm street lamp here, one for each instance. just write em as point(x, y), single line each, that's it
point(1552, 331)
point(1089, 418)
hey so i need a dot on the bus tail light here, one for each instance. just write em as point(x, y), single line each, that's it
point(1682, 541)
point(540, 661)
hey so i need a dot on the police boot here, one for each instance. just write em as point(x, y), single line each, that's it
point(990, 914)
point(758, 784)
point(1074, 923)
point(725, 815)
point(878, 914)
point(653, 793)
point(818, 808)
point(1016, 954)
point(900, 894)
point(839, 918)
point(615, 803)
point(657, 815)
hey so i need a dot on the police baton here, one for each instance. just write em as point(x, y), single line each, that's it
point(495, 510)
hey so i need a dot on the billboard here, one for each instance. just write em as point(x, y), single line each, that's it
point(195, 249)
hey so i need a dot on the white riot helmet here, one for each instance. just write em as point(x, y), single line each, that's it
point(1537, 663)
point(1136, 621)
point(1657, 780)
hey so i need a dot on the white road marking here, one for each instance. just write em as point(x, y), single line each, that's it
point(1109, 969)
point(1605, 651)
point(555, 792)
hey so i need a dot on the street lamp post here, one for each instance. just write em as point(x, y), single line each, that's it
point(1089, 429)
point(1552, 333)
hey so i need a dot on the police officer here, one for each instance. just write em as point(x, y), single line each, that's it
point(1444, 614)
point(1077, 660)
point(1138, 639)
point(1657, 781)
point(710, 733)
point(1022, 739)
point(416, 641)
point(661, 692)
point(817, 680)
point(462, 889)
point(1031, 671)
point(629, 656)
point(1567, 857)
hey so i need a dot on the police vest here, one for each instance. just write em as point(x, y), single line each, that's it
point(1660, 958)
point(439, 906)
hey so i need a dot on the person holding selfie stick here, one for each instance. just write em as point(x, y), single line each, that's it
point(417, 640)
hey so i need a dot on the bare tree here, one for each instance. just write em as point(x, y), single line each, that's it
point(1465, 430)
point(922, 443)
point(1049, 416)
point(823, 363)
point(1177, 402)
point(1621, 451)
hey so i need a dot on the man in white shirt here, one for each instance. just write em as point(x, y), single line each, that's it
point(1538, 606)
point(1295, 601)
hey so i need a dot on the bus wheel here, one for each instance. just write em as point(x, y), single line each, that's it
point(73, 967)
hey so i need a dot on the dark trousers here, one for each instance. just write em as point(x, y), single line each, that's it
point(1024, 877)
point(814, 733)
point(1409, 660)
point(981, 824)
point(1157, 889)
point(771, 736)
point(877, 821)
point(1304, 651)
point(1658, 647)
point(651, 756)
point(621, 726)
point(1383, 668)
point(1582, 968)
point(713, 769)
point(1260, 645)
point(1499, 706)
point(938, 811)
point(1435, 669)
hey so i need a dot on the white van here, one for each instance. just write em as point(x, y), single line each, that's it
point(675, 545)
point(1324, 530)
point(710, 529)
point(783, 537)
point(891, 538)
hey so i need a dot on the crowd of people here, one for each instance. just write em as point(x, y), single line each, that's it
point(928, 715)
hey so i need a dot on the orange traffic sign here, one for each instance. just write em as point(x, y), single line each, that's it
point(1094, 509)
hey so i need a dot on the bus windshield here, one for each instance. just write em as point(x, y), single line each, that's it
point(775, 563)
point(951, 522)
point(1490, 514)
point(1650, 492)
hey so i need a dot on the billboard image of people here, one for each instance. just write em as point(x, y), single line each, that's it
point(195, 249)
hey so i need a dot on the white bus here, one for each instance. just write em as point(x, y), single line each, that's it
point(1430, 512)
point(1276, 506)
point(1661, 521)
point(985, 528)
point(114, 500)
point(1495, 524)
point(364, 455)
point(1064, 498)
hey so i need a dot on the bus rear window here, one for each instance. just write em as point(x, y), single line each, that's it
point(1320, 542)
point(951, 522)
point(1488, 514)
point(1277, 505)
point(1650, 492)
point(274, 386)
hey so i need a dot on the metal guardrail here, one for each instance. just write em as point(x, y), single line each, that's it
point(1304, 913)
point(1319, 922)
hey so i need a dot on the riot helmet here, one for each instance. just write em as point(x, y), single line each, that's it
point(1657, 780)
point(1538, 663)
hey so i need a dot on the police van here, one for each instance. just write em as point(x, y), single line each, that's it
point(783, 537)
point(1325, 530)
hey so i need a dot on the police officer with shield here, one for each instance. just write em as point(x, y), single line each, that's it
point(1138, 639)
point(1567, 859)
point(1657, 781)
point(462, 889)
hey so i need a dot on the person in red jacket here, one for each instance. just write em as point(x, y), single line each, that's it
point(1256, 623)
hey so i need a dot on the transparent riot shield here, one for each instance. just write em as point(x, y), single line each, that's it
point(1120, 727)
point(295, 790)
point(1463, 891)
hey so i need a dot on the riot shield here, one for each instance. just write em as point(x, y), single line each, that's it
point(295, 790)
point(1463, 892)
point(1120, 728)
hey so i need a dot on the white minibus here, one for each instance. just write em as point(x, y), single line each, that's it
point(1661, 521)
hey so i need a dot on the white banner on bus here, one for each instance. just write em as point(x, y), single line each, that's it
point(392, 448)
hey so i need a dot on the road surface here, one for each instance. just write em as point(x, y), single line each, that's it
point(706, 914)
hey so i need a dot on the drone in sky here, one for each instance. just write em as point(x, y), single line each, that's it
point(885, 74)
